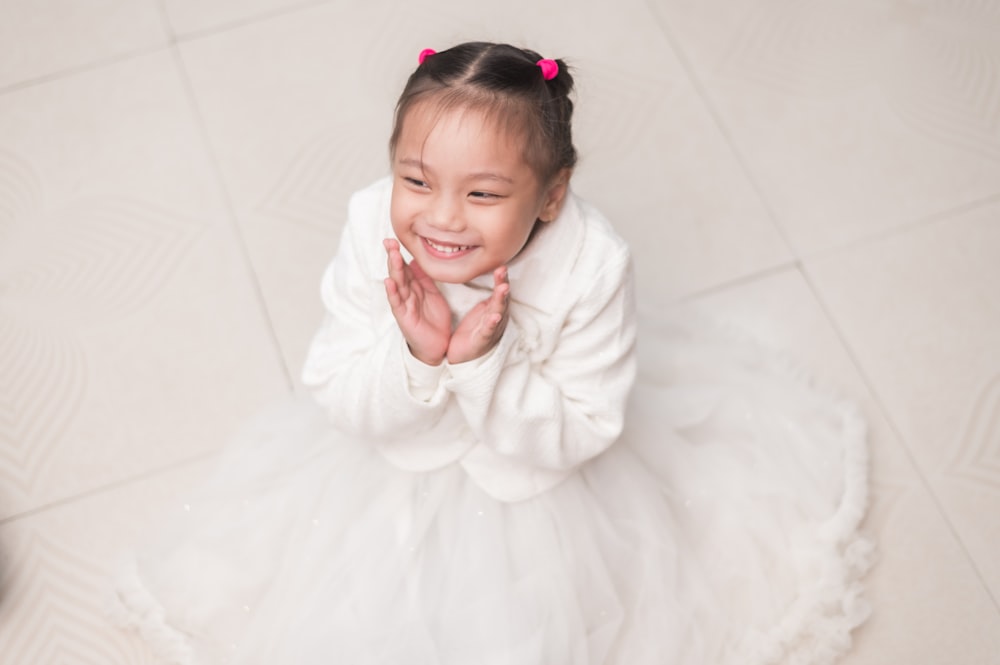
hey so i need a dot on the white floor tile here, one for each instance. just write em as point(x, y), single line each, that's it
point(193, 16)
point(43, 37)
point(921, 312)
point(929, 604)
point(854, 116)
point(58, 568)
point(130, 336)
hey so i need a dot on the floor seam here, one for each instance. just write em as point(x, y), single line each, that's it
point(939, 217)
point(231, 215)
point(721, 127)
point(897, 432)
point(212, 31)
point(108, 487)
point(69, 72)
point(172, 38)
point(739, 281)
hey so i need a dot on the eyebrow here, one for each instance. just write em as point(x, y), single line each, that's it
point(479, 175)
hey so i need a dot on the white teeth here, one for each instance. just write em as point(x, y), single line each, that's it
point(447, 249)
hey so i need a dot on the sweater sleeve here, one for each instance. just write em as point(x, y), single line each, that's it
point(360, 370)
point(557, 413)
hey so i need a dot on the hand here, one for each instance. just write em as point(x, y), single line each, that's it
point(483, 326)
point(421, 312)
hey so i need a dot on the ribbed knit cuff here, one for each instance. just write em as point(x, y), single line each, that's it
point(424, 382)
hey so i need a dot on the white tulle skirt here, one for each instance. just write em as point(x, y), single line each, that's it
point(721, 528)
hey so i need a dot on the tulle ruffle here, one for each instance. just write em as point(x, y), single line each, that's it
point(722, 528)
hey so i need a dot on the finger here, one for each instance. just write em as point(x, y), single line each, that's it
point(391, 248)
point(397, 268)
point(500, 276)
point(498, 303)
point(490, 324)
point(392, 295)
point(499, 298)
point(501, 283)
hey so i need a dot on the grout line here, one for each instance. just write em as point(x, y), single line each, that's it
point(172, 38)
point(744, 165)
point(934, 217)
point(84, 68)
point(927, 220)
point(231, 212)
point(110, 487)
point(161, 8)
point(211, 31)
point(748, 278)
point(727, 136)
point(901, 440)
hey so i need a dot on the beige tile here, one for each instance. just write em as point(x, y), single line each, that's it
point(192, 16)
point(130, 334)
point(57, 568)
point(41, 37)
point(929, 604)
point(299, 109)
point(855, 117)
point(921, 312)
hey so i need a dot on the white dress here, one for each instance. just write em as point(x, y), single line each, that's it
point(719, 527)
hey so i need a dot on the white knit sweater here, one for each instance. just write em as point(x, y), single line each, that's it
point(548, 397)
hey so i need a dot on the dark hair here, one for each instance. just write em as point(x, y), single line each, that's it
point(504, 82)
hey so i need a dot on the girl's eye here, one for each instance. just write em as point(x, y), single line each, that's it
point(415, 182)
point(483, 195)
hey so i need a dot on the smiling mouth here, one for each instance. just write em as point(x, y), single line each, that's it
point(446, 249)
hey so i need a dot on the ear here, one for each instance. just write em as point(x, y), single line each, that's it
point(555, 196)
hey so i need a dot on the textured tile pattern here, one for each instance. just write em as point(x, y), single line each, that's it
point(911, 528)
point(121, 283)
point(186, 17)
point(854, 116)
point(174, 175)
point(932, 354)
point(55, 571)
point(40, 38)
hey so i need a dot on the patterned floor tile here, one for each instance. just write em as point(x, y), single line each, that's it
point(194, 16)
point(854, 116)
point(296, 133)
point(929, 605)
point(921, 312)
point(132, 336)
point(40, 38)
point(125, 305)
point(56, 570)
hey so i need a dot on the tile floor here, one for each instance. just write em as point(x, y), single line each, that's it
point(173, 175)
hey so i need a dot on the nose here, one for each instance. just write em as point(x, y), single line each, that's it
point(445, 214)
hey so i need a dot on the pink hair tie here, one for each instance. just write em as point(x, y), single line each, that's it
point(550, 68)
point(423, 55)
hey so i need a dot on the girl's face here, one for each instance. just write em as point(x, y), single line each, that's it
point(464, 201)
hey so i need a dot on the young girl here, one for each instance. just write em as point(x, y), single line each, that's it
point(467, 494)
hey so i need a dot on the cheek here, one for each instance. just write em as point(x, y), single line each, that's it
point(513, 233)
point(398, 213)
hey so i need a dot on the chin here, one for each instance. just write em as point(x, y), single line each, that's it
point(450, 276)
point(452, 272)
